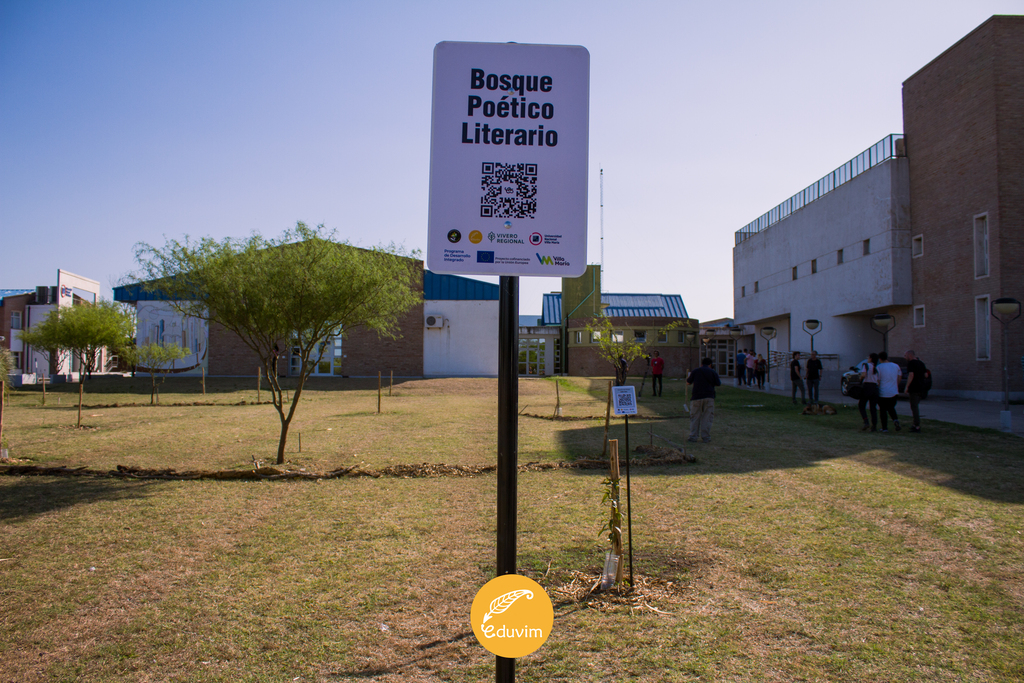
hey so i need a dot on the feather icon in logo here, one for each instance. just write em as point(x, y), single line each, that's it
point(503, 602)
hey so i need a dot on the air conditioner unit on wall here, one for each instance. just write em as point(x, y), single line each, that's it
point(435, 321)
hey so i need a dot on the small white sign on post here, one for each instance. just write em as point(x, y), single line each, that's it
point(509, 143)
point(624, 400)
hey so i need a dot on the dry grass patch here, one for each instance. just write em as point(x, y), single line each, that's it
point(795, 548)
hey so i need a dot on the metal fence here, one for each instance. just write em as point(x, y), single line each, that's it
point(888, 147)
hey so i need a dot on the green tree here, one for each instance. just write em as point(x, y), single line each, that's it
point(155, 359)
point(621, 348)
point(82, 330)
point(298, 290)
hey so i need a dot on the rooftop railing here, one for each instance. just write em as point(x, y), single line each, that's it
point(888, 147)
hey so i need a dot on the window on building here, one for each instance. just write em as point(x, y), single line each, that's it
point(743, 291)
point(618, 337)
point(814, 266)
point(981, 327)
point(839, 257)
point(757, 286)
point(16, 356)
point(578, 336)
point(918, 316)
point(917, 246)
point(867, 247)
point(640, 335)
point(16, 320)
point(794, 272)
point(981, 246)
point(595, 337)
point(663, 337)
point(681, 337)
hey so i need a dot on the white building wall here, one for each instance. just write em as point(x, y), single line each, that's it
point(467, 345)
point(158, 323)
point(873, 206)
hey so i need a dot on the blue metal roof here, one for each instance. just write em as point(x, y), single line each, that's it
point(136, 292)
point(623, 306)
point(455, 288)
point(14, 292)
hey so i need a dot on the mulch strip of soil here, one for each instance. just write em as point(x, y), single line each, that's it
point(658, 457)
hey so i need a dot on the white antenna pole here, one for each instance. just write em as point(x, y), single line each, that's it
point(602, 229)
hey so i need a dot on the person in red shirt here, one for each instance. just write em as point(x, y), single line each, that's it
point(657, 370)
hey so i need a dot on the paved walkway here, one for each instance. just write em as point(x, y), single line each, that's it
point(957, 410)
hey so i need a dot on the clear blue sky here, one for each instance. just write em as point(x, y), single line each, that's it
point(130, 121)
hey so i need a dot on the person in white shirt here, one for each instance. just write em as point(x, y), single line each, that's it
point(888, 386)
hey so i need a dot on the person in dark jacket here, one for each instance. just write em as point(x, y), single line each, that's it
point(702, 404)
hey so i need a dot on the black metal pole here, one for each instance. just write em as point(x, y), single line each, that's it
point(629, 509)
point(508, 441)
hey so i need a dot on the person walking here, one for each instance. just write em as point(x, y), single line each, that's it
point(760, 370)
point(657, 371)
point(796, 378)
point(916, 374)
point(741, 367)
point(751, 366)
point(702, 404)
point(813, 377)
point(869, 391)
point(888, 387)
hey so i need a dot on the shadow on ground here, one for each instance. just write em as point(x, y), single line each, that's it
point(764, 432)
point(24, 497)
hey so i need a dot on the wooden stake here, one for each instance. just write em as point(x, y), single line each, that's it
point(45, 378)
point(378, 392)
point(203, 367)
point(300, 442)
point(607, 419)
point(81, 391)
point(391, 383)
point(259, 381)
point(616, 531)
point(2, 387)
point(558, 400)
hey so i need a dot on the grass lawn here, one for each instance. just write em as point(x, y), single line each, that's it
point(795, 549)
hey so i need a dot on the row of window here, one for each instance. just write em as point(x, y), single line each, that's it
point(618, 336)
point(866, 246)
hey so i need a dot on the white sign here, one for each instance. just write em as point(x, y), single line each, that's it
point(624, 400)
point(508, 159)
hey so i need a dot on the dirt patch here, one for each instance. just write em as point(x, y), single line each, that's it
point(666, 456)
point(650, 593)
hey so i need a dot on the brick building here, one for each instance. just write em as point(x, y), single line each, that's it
point(927, 227)
point(23, 309)
point(452, 331)
point(644, 316)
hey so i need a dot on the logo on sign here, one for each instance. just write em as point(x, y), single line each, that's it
point(454, 236)
point(485, 257)
point(508, 225)
point(475, 237)
point(536, 239)
point(552, 260)
point(65, 290)
point(512, 616)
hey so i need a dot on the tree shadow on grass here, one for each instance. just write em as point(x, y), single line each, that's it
point(772, 434)
point(24, 497)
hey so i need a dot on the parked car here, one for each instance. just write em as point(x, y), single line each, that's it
point(850, 386)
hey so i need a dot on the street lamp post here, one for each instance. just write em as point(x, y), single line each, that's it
point(812, 327)
point(768, 333)
point(1006, 310)
point(882, 323)
point(736, 333)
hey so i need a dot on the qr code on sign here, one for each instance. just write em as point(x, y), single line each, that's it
point(509, 190)
point(624, 400)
